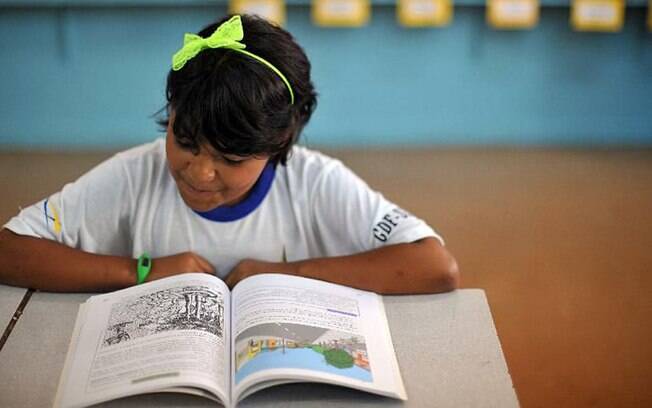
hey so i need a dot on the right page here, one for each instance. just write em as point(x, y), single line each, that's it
point(290, 329)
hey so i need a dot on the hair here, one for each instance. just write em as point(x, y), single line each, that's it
point(237, 104)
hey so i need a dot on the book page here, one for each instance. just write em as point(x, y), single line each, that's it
point(159, 336)
point(288, 328)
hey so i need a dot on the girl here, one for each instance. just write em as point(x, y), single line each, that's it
point(227, 192)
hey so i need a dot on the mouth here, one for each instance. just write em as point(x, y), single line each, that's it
point(199, 192)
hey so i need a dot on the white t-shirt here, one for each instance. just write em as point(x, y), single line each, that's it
point(129, 204)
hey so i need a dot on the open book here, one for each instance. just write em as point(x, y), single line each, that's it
point(189, 334)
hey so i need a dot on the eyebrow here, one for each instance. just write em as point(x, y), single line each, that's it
point(219, 155)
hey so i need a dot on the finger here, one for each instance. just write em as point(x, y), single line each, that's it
point(204, 264)
point(229, 281)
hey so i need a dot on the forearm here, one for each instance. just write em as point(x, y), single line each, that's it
point(47, 265)
point(419, 267)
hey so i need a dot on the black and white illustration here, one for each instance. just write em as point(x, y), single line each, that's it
point(183, 308)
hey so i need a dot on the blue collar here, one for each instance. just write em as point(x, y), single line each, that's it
point(256, 195)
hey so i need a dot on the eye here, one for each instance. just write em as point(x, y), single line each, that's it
point(233, 161)
point(187, 144)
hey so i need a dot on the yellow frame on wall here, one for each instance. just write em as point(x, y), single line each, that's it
point(512, 14)
point(598, 15)
point(424, 13)
point(271, 10)
point(340, 13)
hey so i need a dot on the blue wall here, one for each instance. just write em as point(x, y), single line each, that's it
point(81, 76)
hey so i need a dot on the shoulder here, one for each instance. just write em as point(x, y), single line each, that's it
point(317, 176)
point(129, 170)
point(145, 162)
point(310, 165)
point(148, 154)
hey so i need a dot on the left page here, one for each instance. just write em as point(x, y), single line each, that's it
point(167, 335)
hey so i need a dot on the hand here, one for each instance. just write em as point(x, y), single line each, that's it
point(250, 267)
point(179, 263)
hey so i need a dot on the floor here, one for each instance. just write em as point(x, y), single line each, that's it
point(560, 240)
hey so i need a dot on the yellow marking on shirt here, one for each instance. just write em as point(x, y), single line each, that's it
point(55, 216)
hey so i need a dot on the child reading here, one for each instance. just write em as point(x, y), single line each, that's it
point(227, 192)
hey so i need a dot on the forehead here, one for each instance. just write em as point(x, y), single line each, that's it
point(206, 147)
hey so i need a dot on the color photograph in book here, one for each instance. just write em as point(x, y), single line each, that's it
point(289, 345)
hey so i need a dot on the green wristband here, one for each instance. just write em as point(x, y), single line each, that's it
point(144, 267)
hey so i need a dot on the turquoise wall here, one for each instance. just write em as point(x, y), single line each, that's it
point(76, 75)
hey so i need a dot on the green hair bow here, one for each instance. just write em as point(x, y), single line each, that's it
point(226, 35)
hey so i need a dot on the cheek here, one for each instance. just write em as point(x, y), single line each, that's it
point(239, 180)
point(176, 162)
point(176, 157)
point(242, 178)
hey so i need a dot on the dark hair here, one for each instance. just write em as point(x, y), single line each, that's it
point(236, 103)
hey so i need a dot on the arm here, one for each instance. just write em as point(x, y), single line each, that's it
point(424, 266)
point(48, 265)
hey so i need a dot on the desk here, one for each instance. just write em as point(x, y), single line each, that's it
point(10, 298)
point(446, 346)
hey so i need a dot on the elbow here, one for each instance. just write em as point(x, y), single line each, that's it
point(449, 276)
point(439, 269)
point(453, 275)
point(445, 272)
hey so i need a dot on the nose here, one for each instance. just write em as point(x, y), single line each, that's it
point(202, 169)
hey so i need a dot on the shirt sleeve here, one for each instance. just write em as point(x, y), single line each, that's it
point(91, 213)
point(350, 217)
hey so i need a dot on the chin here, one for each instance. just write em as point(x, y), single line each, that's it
point(201, 207)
